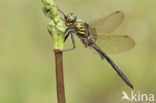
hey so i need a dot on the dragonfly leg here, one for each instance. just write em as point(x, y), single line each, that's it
point(73, 41)
point(61, 11)
point(66, 37)
point(67, 30)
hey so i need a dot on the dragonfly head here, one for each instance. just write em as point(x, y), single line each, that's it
point(70, 18)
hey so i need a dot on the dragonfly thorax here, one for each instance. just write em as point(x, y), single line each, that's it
point(78, 27)
point(81, 28)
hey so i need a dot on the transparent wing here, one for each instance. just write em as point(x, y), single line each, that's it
point(114, 43)
point(108, 23)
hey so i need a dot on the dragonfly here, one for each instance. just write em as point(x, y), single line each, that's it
point(94, 35)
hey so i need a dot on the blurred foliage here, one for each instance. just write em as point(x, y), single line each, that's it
point(27, 66)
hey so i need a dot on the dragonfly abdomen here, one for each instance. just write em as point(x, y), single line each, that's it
point(119, 72)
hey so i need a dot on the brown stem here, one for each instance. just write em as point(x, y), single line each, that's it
point(59, 76)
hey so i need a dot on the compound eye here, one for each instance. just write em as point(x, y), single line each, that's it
point(73, 17)
point(70, 18)
point(69, 14)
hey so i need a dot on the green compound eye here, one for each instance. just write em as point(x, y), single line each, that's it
point(71, 17)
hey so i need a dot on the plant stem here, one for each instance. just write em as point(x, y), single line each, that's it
point(56, 26)
point(59, 76)
point(56, 29)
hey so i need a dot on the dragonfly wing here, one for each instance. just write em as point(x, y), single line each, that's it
point(93, 33)
point(108, 23)
point(114, 43)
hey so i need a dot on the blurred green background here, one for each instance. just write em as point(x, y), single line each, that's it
point(27, 65)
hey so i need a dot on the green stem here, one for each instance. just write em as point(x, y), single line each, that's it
point(56, 26)
point(56, 29)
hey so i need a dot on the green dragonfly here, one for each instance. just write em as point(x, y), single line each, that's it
point(94, 35)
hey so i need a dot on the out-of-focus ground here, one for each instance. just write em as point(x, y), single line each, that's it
point(27, 66)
